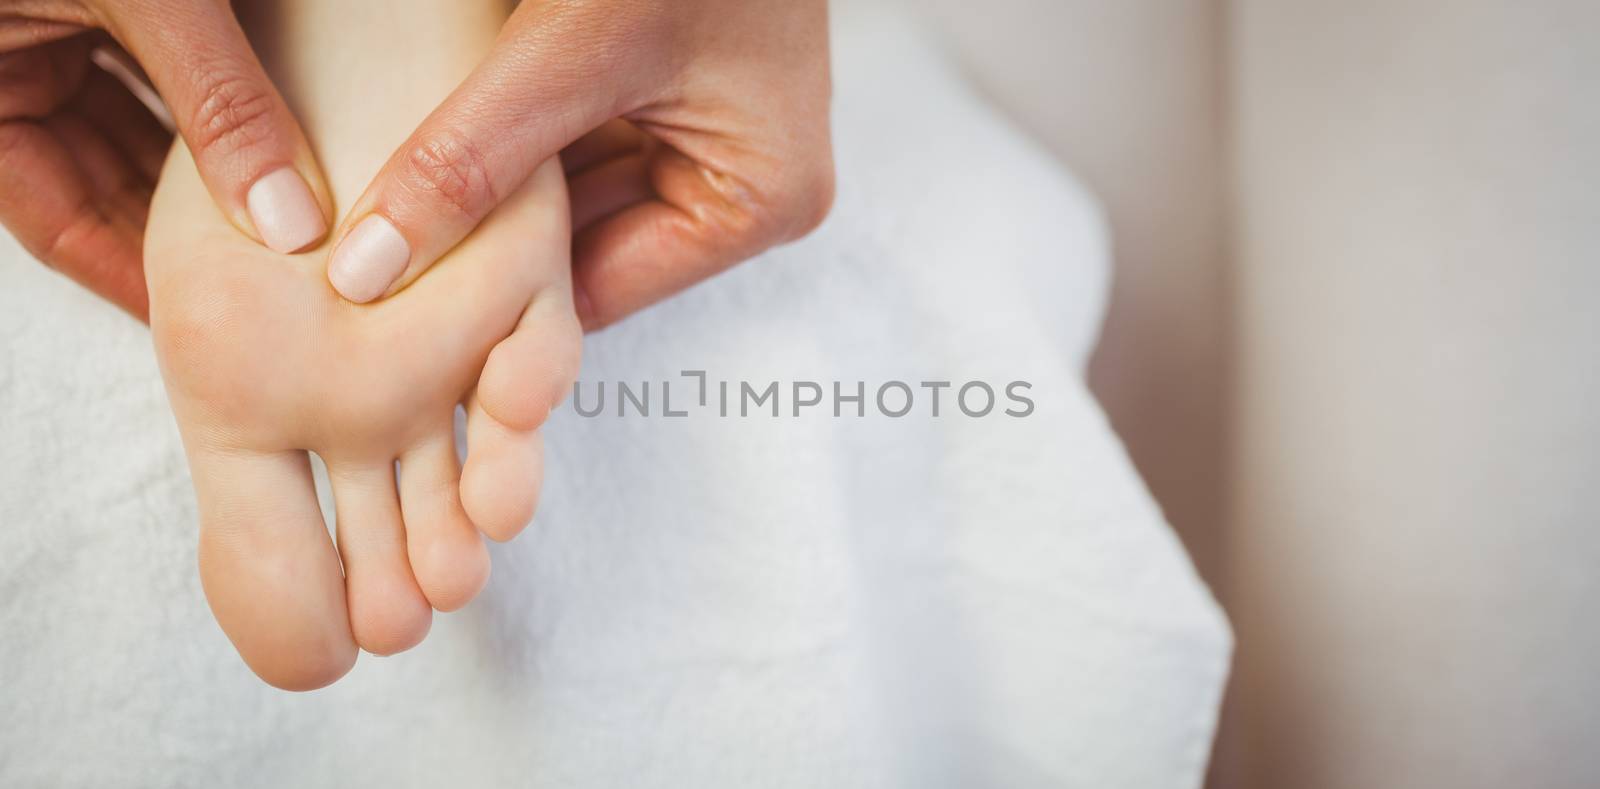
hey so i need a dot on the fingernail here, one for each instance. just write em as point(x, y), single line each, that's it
point(285, 213)
point(369, 260)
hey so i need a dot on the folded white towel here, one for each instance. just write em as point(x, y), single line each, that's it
point(702, 601)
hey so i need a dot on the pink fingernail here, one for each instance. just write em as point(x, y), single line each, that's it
point(285, 213)
point(369, 260)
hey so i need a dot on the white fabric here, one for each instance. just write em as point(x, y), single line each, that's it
point(805, 602)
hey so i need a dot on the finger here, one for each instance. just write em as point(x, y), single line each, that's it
point(23, 32)
point(120, 66)
point(247, 145)
point(654, 249)
point(526, 101)
point(36, 81)
point(447, 554)
point(614, 138)
point(121, 192)
point(701, 222)
point(124, 121)
point(388, 612)
point(608, 187)
point(523, 248)
point(268, 568)
point(48, 204)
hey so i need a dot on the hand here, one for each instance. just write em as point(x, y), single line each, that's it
point(79, 153)
point(695, 135)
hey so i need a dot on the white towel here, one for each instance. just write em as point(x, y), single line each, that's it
point(701, 601)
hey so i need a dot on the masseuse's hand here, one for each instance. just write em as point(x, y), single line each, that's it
point(695, 134)
point(79, 153)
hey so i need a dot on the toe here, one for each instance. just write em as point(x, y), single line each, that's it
point(500, 482)
point(525, 377)
point(269, 570)
point(448, 556)
point(530, 372)
point(388, 612)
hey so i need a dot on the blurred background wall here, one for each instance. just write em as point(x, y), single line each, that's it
point(1353, 346)
point(1413, 546)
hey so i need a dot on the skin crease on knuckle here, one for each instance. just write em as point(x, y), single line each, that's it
point(67, 234)
point(447, 168)
point(233, 115)
point(789, 197)
point(782, 204)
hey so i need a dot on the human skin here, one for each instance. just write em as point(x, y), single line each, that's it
point(264, 361)
point(79, 154)
point(696, 135)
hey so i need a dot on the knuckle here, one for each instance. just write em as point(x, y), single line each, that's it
point(59, 240)
point(815, 199)
point(798, 202)
point(234, 113)
point(450, 169)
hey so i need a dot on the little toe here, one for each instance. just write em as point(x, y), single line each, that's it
point(269, 570)
point(500, 481)
point(388, 612)
point(448, 556)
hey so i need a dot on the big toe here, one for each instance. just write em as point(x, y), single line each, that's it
point(268, 568)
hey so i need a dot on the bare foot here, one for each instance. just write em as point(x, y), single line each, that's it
point(263, 361)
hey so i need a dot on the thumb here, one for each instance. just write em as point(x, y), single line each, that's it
point(248, 147)
point(526, 101)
